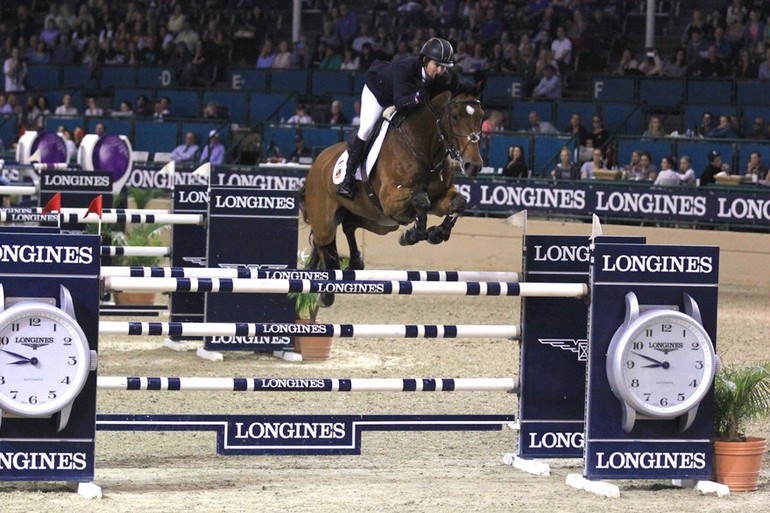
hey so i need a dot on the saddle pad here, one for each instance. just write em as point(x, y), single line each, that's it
point(339, 167)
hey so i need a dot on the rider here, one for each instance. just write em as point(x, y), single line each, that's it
point(400, 83)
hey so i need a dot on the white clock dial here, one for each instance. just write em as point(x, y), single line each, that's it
point(667, 363)
point(44, 359)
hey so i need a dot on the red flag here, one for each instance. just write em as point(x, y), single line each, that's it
point(95, 207)
point(53, 205)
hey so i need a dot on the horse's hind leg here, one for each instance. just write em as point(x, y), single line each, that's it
point(421, 203)
point(441, 233)
point(330, 259)
point(349, 227)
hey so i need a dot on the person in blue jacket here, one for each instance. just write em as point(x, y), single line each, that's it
point(401, 83)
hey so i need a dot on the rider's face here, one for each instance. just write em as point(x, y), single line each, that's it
point(434, 69)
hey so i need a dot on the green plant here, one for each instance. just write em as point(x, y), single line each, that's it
point(741, 394)
point(139, 235)
point(142, 197)
point(306, 303)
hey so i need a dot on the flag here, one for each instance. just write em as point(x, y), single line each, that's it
point(95, 207)
point(519, 219)
point(53, 205)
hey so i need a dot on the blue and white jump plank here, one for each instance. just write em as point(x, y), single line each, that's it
point(138, 383)
point(155, 251)
point(217, 329)
point(251, 286)
point(306, 274)
point(74, 210)
point(107, 218)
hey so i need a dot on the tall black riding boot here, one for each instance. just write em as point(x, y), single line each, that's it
point(355, 155)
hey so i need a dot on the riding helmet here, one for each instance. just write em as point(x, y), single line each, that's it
point(439, 50)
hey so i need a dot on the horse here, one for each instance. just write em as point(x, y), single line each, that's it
point(412, 177)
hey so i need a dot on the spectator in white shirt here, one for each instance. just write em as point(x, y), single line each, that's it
point(667, 176)
point(92, 108)
point(562, 50)
point(549, 86)
point(66, 108)
point(300, 117)
point(687, 175)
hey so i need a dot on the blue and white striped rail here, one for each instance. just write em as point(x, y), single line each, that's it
point(154, 251)
point(308, 384)
point(21, 190)
point(216, 329)
point(306, 274)
point(108, 218)
point(76, 210)
point(236, 285)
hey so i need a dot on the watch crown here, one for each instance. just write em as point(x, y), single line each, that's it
point(94, 361)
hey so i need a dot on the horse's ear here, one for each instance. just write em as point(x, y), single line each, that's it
point(480, 78)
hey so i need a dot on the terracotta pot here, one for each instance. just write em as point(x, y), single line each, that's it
point(134, 298)
point(738, 464)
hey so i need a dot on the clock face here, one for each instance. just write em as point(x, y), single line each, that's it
point(44, 359)
point(667, 363)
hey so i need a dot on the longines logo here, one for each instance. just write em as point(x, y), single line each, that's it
point(67, 180)
point(34, 342)
point(579, 346)
point(28, 254)
point(252, 202)
point(562, 253)
point(658, 264)
point(666, 347)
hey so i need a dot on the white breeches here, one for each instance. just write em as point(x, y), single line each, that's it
point(371, 110)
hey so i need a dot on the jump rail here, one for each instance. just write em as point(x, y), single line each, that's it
point(306, 274)
point(236, 285)
point(108, 218)
point(308, 384)
point(75, 210)
point(214, 329)
point(159, 251)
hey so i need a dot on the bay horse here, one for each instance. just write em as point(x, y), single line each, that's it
point(412, 177)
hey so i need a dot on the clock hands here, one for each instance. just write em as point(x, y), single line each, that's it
point(24, 359)
point(655, 363)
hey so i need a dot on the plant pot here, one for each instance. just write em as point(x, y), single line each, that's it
point(738, 464)
point(134, 298)
point(314, 348)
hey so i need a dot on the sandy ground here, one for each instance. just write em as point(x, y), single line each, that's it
point(404, 472)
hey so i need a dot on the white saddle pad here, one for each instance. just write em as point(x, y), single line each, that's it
point(371, 158)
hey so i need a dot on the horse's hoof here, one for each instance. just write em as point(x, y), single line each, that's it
point(437, 236)
point(325, 300)
point(356, 264)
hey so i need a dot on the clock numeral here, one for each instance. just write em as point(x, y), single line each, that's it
point(52, 394)
point(14, 394)
point(680, 397)
point(638, 345)
point(693, 383)
point(630, 364)
point(684, 333)
point(665, 328)
point(66, 380)
point(648, 332)
point(696, 346)
point(15, 326)
point(4, 341)
point(2, 380)
point(67, 341)
point(32, 399)
point(634, 383)
point(663, 401)
point(698, 364)
point(647, 397)
point(72, 360)
point(35, 322)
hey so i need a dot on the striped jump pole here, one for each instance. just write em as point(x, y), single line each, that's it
point(308, 384)
point(108, 218)
point(216, 329)
point(237, 285)
point(75, 210)
point(307, 274)
point(21, 190)
point(153, 251)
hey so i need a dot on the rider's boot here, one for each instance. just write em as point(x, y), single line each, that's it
point(355, 154)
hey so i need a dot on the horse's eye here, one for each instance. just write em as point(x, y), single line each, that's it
point(455, 117)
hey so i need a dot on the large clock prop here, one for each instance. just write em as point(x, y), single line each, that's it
point(651, 364)
point(48, 355)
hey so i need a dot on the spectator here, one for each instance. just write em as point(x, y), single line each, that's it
point(69, 143)
point(302, 154)
point(549, 86)
point(477, 61)
point(565, 169)
point(331, 61)
point(734, 10)
point(266, 56)
point(36, 116)
point(162, 108)
point(493, 123)
point(599, 135)
point(349, 60)
point(562, 51)
point(100, 129)
point(187, 36)
point(335, 116)
point(5, 107)
point(588, 170)
point(697, 24)
point(746, 67)
point(754, 31)
point(356, 121)
point(712, 169)
point(654, 129)
point(300, 117)
point(188, 151)
point(724, 130)
point(214, 110)
point(214, 151)
point(735, 30)
point(38, 54)
point(283, 59)
point(143, 107)
point(723, 46)
point(516, 167)
point(539, 126)
point(695, 49)
point(364, 37)
point(64, 52)
point(755, 168)
point(366, 58)
point(346, 26)
point(711, 66)
point(706, 124)
point(628, 65)
point(764, 68)
point(667, 176)
point(66, 108)
point(92, 109)
point(496, 59)
point(49, 34)
point(404, 51)
point(176, 19)
point(758, 130)
point(632, 169)
point(645, 171)
point(652, 66)
point(197, 70)
point(687, 173)
point(124, 111)
point(15, 70)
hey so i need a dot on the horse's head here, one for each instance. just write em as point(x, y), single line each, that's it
point(461, 124)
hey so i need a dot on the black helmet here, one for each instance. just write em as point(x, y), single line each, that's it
point(439, 50)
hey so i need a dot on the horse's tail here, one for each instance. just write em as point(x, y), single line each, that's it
point(301, 201)
point(315, 259)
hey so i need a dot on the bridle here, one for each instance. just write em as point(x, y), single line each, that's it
point(447, 139)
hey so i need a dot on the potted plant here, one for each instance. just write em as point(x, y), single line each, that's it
point(306, 310)
point(140, 235)
point(141, 197)
point(741, 394)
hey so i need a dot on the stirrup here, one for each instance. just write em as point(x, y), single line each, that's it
point(347, 188)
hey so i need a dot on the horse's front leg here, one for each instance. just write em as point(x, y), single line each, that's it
point(455, 206)
point(421, 203)
point(349, 228)
point(330, 260)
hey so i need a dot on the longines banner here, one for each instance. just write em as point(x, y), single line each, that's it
point(747, 205)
